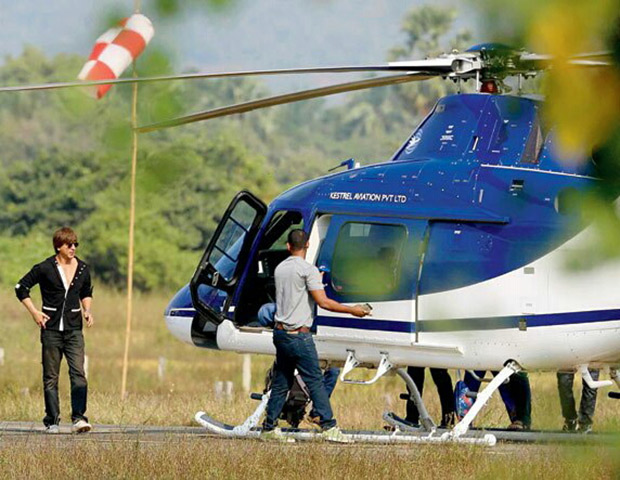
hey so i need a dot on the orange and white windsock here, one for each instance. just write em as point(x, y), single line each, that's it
point(115, 50)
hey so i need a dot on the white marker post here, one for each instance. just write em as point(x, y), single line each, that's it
point(229, 390)
point(161, 368)
point(219, 390)
point(1, 356)
point(247, 373)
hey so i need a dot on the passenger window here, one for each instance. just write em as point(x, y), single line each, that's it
point(367, 259)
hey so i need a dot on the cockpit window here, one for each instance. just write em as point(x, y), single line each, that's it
point(493, 129)
point(446, 133)
point(279, 227)
point(534, 144)
point(514, 132)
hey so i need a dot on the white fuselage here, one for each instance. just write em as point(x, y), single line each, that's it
point(474, 327)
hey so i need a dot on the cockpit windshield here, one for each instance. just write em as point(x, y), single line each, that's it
point(446, 132)
point(490, 128)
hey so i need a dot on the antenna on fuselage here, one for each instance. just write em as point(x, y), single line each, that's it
point(350, 164)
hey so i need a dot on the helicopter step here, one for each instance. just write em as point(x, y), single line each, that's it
point(352, 362)
point(358, 436)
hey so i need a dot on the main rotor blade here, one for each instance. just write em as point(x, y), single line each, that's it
point(245, 73)
point(287, 98)
point(594, 59)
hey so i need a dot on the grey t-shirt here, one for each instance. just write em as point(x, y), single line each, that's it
point(295, 278)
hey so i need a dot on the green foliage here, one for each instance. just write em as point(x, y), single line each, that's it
point(19, 253)
point(52, 190)
point(379, 113)
point(66, 158)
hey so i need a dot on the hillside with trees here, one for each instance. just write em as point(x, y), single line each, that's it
point(66, 158)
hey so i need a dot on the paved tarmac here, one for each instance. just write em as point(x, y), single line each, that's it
point(14, 431)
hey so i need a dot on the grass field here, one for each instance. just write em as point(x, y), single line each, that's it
point(188, 386)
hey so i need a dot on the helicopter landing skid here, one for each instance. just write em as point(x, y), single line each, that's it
point(506, 435)
point(357, 436)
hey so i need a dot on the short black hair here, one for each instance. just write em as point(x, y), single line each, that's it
point(297, 239)
point(63, 236)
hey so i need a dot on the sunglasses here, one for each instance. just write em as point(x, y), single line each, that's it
point(76, 244)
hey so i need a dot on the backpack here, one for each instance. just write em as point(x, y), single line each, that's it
point(297, 400)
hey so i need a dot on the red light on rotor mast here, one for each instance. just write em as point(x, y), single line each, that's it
point(489, 86)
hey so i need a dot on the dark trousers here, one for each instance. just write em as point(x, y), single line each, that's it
point(567, 400)
point(297, 351)
point(516, 395)
point(443, 382)
point(330, 378)
point(55, 344)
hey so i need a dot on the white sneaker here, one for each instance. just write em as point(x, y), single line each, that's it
point(276, 435)
point(52, 429)
point(334, 434)
point(81, 426)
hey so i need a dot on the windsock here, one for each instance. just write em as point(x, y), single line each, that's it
point(115, 50)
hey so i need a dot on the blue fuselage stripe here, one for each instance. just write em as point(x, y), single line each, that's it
point(366, 324)
point(463, 324)
point(182, 313)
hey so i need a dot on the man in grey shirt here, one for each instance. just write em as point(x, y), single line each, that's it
point(298, 287)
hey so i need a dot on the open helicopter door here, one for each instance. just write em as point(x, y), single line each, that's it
point(215, 280)
point(374, 260)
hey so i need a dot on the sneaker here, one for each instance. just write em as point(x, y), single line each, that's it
point(570, 426)
point(447, 420)
point(518, 426)
point(334, 434)
point(81, 426)
point(584, 428)
point(53, 429)
point(275, 435)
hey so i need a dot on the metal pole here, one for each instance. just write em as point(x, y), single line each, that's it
point(132, 220)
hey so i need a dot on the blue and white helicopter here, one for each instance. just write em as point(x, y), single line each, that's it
point(459, 242)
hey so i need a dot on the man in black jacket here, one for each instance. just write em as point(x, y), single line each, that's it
point(66, 292)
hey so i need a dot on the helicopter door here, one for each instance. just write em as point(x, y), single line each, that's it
point(376, 261)
point(215, 279)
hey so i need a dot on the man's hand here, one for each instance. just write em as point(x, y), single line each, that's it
point(40, 318)
point(90, 320)
point(359, 311)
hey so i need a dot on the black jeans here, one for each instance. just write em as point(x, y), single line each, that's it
point(443, 382)
point(567, 400)
point(55, 344)
point(297, 351)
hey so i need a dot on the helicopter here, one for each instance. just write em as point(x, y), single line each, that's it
point(458, 241)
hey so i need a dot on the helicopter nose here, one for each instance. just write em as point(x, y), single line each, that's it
point(179, 317)
point(186, 324)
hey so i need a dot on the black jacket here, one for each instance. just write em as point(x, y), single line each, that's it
point(55, 305)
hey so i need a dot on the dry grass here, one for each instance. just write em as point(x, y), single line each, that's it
point(188, 386)
point(218, 458)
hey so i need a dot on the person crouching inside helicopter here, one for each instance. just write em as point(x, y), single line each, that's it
point(266, 318)
point(298, 286)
